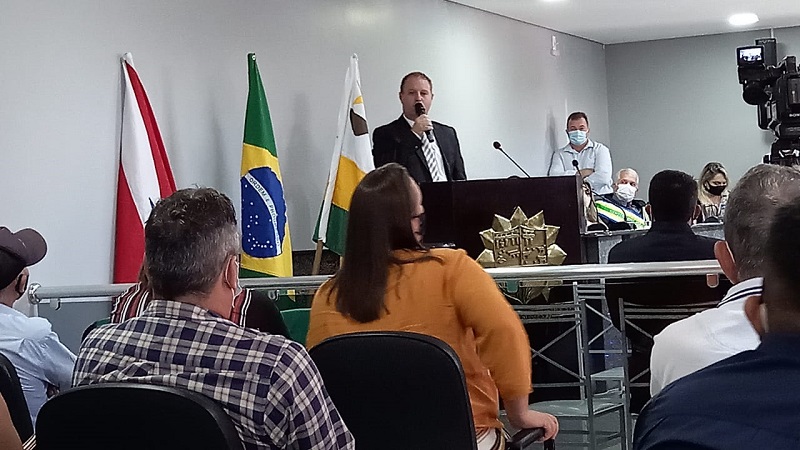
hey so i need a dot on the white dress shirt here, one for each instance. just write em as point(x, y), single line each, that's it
point(691, 344)
point(595, 156)
point(36, 353)
point(437, 154)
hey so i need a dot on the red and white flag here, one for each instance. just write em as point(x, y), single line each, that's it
point(144, 175)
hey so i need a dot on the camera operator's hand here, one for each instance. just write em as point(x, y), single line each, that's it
point(422, 124)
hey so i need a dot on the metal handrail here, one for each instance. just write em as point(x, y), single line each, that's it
point(41, 294)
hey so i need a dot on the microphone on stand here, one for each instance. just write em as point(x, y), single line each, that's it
point(578, 170)
point(500, 147)
point(419, 108)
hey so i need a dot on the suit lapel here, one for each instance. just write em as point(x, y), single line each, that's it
point(411, 140)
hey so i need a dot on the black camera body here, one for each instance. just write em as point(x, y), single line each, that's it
point(775, 90)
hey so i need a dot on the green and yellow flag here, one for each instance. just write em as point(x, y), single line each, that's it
point(266, 245)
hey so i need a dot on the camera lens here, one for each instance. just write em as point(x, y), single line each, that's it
point(753, 94)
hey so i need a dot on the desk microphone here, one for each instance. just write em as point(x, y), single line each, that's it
point(578, 170)
point(419, 108)
point(500, 147)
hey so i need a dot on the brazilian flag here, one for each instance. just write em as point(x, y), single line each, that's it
point(266, 245)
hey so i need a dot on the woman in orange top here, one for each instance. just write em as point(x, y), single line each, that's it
point(389, 281)
point(9, 440)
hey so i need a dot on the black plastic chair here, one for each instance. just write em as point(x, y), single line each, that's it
point(662, 291)
point(650, 305)
point(130, 416)
point(11, 390)
point(398, 390)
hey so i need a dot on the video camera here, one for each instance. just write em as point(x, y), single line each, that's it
point(775, 90)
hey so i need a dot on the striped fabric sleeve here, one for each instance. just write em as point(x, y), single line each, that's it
point(130, 303)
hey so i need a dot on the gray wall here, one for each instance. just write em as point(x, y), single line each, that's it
point(494, 78)
point(678, 104)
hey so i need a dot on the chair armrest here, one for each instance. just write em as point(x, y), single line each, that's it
point(524, 438)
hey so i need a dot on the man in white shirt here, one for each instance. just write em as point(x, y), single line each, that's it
point(42, 362)
point(691, 344)
point(593, 159)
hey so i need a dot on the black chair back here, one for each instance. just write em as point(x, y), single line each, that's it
point(11, 390)
point(650, 305)
point(662, 291)
point(397, 390)
point(128, 416)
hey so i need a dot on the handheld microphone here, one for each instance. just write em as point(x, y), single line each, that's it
point(419, 108)
point(500, 147)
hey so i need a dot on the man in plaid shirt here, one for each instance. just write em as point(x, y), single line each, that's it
point(267, 384)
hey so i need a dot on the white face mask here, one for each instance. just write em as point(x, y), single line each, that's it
point(625, 193)
point(577, 137)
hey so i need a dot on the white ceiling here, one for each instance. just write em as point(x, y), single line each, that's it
point(616, 21)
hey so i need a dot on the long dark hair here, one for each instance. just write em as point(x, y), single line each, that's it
point(379, 222)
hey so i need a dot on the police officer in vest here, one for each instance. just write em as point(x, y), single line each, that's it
point(621, 205)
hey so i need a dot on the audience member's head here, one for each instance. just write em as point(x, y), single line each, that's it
point(672, 196)
point(713, 181)
point(18, 251)
point(748, 215)
point(778, 309)
point(385, 214)
point(626, 185)
point(192, 248)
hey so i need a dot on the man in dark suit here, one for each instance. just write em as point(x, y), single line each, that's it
point(673, 205)
point(429, 150)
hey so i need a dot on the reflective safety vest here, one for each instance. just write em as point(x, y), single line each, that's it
point(613, 213)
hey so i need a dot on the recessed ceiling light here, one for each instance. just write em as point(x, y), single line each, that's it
point(740, 20)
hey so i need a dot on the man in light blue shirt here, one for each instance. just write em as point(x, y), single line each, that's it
point(593, 159)
point(42, 362)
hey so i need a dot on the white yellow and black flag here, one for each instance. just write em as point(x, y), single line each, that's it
point(352, 159)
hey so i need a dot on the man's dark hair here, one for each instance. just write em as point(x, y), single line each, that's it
point(672, 196)
point(749, 212)
point(783, 246)
point(10, 268)
point(415, 75)
point(188, 238)
point(576, 116)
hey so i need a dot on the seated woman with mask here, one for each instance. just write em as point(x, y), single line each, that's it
point(712, 193)
point(389, 281)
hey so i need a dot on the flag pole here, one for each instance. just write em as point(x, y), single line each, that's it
point(317, 258)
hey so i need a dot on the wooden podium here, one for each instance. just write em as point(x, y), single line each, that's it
point(456, 211)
